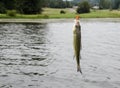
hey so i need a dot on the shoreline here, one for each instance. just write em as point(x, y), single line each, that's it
point(56, 20)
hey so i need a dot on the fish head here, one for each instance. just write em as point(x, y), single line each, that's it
point(77, 22)
point(77, 27)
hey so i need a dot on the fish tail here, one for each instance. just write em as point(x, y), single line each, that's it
point(79, 69)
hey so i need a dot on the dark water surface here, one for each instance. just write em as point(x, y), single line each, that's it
point(41, 55)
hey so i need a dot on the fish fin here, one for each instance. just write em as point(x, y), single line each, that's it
point(79, 69)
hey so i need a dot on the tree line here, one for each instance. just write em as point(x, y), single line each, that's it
point(109, 4)
point(35, 6)
point(22, 6)
point(31, 6)
point(58, 3)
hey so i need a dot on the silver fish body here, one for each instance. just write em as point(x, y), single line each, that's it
point(77, 44)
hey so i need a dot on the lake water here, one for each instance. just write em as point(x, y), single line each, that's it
point(40, 55)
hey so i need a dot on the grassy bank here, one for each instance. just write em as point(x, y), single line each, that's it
point(70, 13)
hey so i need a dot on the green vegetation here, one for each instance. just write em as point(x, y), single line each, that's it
point(42, 8)
point(103, 4)
point(83, 7)
point(102, 14)
point(11, 13)
point(62, 12)
point(69, 13)
point(58, 4)
point(29, 6)
point(22, 6)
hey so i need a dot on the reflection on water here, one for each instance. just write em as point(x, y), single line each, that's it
point(31, 55)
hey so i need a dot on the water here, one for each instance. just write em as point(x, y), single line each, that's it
point(41, 55)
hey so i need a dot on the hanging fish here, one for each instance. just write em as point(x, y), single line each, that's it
point(77, 42)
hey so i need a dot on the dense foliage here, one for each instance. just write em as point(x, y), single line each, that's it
point(28, 6)
point(2, 8)
point(116, 4)
point(106, 4)
point(6, 5)
point(22, 6)
point(35, 6)
point(59, 4)
point(83, 7)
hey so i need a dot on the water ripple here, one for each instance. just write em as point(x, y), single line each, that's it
point(40, 54)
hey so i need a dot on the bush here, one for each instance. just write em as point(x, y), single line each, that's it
point(2, 8)
point(46, 16)
point(83, 7)
point(11, 13)
point(62, 12)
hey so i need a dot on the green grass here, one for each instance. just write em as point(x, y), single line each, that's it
point(102, 14)
point(70, 13)
point(22, 16)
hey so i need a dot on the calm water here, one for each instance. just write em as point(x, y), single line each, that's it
point(41, 55)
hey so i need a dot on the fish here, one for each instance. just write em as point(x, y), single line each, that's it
point(77, 43)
